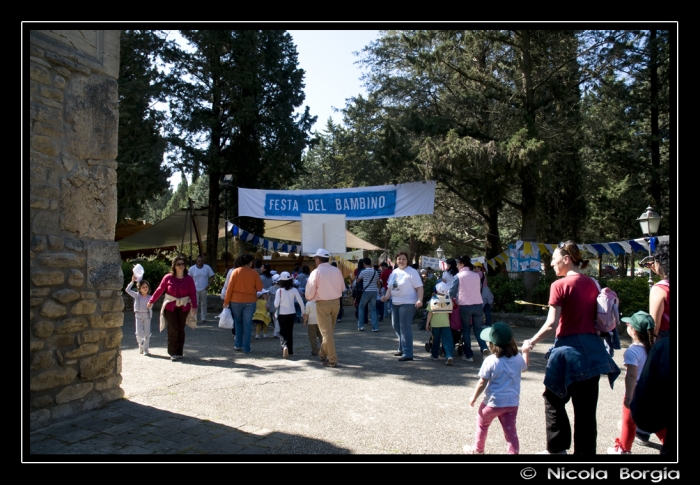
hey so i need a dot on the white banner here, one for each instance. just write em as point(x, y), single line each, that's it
point(378, 202)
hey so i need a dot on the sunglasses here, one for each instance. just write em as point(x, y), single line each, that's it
point(179, 264)
point(562, 245)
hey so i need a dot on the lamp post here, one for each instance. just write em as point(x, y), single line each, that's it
point(440, 252)
point(225, 182)
point(649, 222)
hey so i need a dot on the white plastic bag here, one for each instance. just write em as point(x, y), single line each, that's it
point(226, 319)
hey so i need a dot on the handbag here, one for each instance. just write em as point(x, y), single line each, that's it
point(358, 290)
point(226, 319)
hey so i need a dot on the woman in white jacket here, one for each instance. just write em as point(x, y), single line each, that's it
point(284, 301)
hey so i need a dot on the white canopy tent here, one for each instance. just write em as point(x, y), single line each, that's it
point(170, 231)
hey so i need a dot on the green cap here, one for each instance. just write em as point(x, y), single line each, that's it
point(640, 321)
point(499, 333)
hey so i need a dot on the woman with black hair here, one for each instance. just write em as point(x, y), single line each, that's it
point(449, 274)
point(242, 294)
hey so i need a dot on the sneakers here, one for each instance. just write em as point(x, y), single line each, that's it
point(449, 361)
point(257, 337)
point(617, 450)
point(486, 352)
point(471, 450)
point(641, 442)
point(264, 335)
point(398, 354)
point(285, 352)
point(434, 358)
point(375, 330)
point(360, 329)
point(328, 364)
point(405, 359)
point(239, 349)
point(175, 357)
point(146, 353)
point(322, 359)
point(468, 359)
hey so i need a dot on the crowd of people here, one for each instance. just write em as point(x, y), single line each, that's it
point(460, 304)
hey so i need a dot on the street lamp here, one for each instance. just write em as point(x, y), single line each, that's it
point(649, 222)
point(226, 182)
point(440, 252)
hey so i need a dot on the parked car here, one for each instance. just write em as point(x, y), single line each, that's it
point(608, 270)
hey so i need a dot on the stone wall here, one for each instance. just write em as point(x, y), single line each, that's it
point(75, 314)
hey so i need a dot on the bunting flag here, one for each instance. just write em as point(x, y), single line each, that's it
point(613, 248)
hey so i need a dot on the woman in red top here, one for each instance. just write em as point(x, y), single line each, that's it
point(575, 372)
point(181, 296)
point(659, 296)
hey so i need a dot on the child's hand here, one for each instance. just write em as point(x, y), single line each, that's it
point(472, 401)
point(525, 350)
point(133, 277)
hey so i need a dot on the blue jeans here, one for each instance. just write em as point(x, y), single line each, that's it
point(401, 318)
point(487, 315)
point(444, 334)
point(368, 297)
point(387, 308)
point(469, 314)
point(243, 320)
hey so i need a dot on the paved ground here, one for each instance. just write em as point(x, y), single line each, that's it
point(217, 401)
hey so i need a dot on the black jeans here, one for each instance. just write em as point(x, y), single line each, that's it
point(176, 330)
point(584, 397)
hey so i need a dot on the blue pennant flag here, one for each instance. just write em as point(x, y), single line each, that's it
point(234, 231)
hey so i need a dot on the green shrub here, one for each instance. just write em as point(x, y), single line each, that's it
point(633, 293)
point(154, 270)
point(505, 291)
point(217, 285)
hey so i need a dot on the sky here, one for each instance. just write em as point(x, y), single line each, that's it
point(331, 72)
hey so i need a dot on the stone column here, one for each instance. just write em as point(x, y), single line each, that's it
point(75, 313)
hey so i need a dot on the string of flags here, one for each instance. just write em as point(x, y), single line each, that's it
point(247, 236)
point(257, 240)
point(615, 248)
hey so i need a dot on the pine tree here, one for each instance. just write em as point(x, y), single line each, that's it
point(141, 174)
point(232, 104)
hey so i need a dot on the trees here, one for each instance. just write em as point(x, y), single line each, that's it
point(232, 101)
point(490, 115)
point(141, 174)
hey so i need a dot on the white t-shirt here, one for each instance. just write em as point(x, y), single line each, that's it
point(503, 374)
point(200, 275)
point(448, 278)
point(636, 354)
point(403, 284)
point(310, 310)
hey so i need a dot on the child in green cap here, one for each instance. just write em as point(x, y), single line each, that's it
point(640, 327)
point(500, 379)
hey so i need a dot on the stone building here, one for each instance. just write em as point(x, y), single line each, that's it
point(74, 319)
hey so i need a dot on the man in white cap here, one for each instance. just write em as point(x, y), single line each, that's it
point(325, 286)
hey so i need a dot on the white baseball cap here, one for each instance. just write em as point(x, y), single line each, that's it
point(275, 278)
point(285, 276)
point(322, 253)
point(262, 292)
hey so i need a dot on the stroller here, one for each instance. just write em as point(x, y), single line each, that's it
point(456, 328)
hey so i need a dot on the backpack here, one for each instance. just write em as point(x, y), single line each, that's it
point(608, 310)
point(441, 304)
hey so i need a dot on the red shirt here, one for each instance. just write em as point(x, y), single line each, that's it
point(179, 288)
point(385, 277)
point(576, 295)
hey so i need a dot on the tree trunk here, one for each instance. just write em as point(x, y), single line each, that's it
point(493, 241)
point(655, 184)
point(213, 218)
